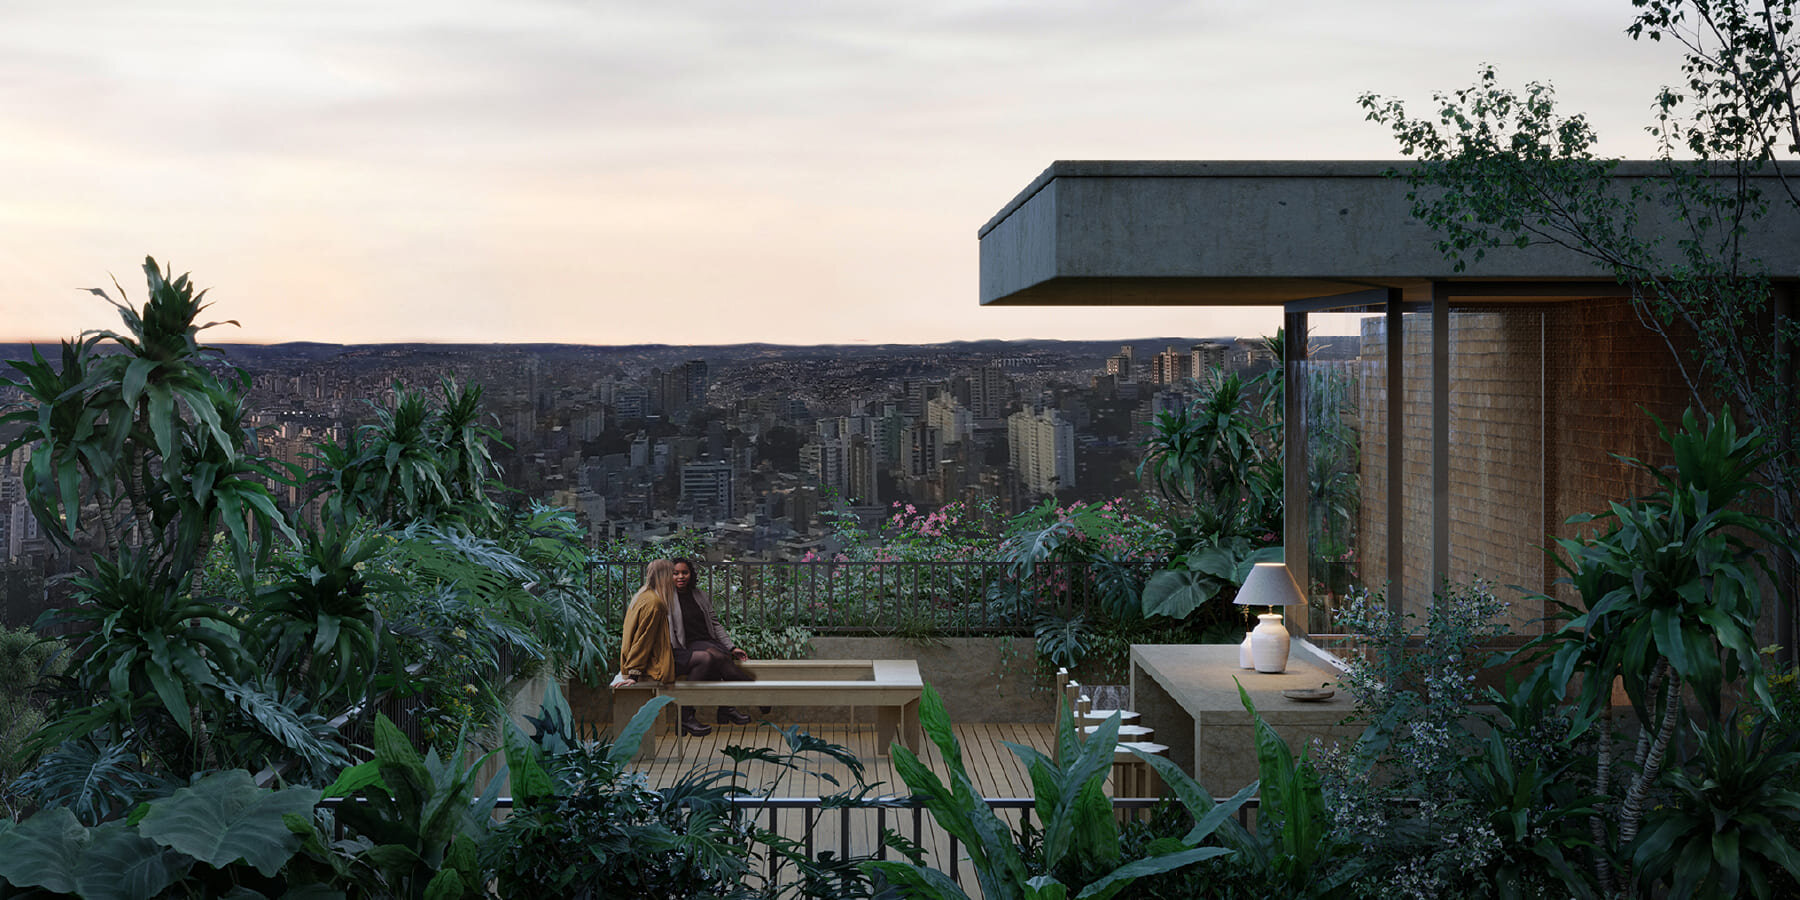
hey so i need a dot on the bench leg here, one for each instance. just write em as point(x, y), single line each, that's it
point(887, 728)
point(912, 735)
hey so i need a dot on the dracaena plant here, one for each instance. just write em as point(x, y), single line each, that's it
point(151, 436)
point(1670, 591)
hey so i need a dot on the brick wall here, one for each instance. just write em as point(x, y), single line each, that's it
point(1540, 397)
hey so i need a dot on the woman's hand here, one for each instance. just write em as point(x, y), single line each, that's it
point(628, 680)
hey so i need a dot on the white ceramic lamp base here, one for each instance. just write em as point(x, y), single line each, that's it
point(1246, 660)
point(1269, 644)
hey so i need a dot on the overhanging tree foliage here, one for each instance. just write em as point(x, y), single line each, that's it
point(1503, 168)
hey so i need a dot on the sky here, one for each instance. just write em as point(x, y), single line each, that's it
point(679, 172)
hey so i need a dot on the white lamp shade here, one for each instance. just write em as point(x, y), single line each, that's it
point(1270, 584)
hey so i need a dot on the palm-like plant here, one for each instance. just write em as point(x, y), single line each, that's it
point(463, 437)
point(1215, 458)
point(1671, 595)
point(151, 435)
point(317, 616)
point(149, 648)
point(420, 461)
point(1721, 831)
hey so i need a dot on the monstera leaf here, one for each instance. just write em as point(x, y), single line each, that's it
point(225, 817)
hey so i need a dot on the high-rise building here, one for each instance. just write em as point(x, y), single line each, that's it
point(990, 392)
point(631, 401)
point(1207, 357)
point(1120, 364)
point(1042, 449)
point(925, 450)
point(698, 379)
point(1171, 366)
point(953, 421)
point(860, 486)
point(707, 489)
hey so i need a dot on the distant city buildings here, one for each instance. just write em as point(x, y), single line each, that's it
point(1042, 445)
point(753, 444)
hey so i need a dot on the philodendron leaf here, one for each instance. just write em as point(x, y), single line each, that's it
point(1177, 592)
point(44, 851)
point(225, 817)
point(625, 746)
point(121, 864)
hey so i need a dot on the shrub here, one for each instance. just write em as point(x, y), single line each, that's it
point(26, 662)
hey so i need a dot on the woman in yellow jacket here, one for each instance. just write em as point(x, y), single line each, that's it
point(645, 648)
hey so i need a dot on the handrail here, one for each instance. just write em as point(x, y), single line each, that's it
point(810, 807)
point(861, 596)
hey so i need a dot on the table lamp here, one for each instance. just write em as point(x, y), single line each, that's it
point(1270, 585)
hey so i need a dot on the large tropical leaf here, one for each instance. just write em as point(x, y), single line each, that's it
point(303, 734)
point(225, 817)
point(44, 851)
point(1177, 592)
point(92, 780)
point(625, 745)
point(119, 863)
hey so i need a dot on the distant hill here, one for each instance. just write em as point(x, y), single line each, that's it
point(276, 355)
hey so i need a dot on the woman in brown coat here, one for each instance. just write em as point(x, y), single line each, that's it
point(645, 649)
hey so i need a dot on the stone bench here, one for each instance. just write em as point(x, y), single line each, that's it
point(892, 686)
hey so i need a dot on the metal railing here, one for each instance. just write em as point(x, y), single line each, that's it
point(908, 812)
point(898, 597)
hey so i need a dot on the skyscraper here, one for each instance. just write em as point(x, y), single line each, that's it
point(1042, 449)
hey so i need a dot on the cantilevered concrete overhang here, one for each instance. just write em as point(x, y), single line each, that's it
point(1312, 237)
point(1267, 234)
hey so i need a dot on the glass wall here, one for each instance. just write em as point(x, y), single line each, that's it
point(1343, 396)
point(1497, 459)
point(1492, 522)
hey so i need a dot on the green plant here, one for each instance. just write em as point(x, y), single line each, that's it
point(1670, 600)
point(96, 781)
point(150, 436)
point(1720, 832)
point(149, 649)
point(773, 641)
point(316, 616)
point(27, 664)
point(220, 837)
point(1080, 837)
point(1443, 798)
point(585, 826)
point(418, 819)
point(1293, 850)
point(792, 868)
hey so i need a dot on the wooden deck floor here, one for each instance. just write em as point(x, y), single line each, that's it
point(995, 769)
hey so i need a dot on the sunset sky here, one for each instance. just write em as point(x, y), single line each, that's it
point(679, 172)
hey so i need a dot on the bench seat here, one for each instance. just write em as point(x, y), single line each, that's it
point(892, 686)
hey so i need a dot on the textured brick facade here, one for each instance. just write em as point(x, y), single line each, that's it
point(1541, 396)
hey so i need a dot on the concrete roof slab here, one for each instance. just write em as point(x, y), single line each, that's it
point(1254, 233)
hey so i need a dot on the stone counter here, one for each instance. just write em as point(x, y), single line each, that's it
point(1189, 694)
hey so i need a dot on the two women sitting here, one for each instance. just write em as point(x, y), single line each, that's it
point(672, 633)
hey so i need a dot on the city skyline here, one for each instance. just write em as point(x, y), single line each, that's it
point(688, 173)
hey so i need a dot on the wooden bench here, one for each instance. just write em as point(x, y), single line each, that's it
point(892, 686)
